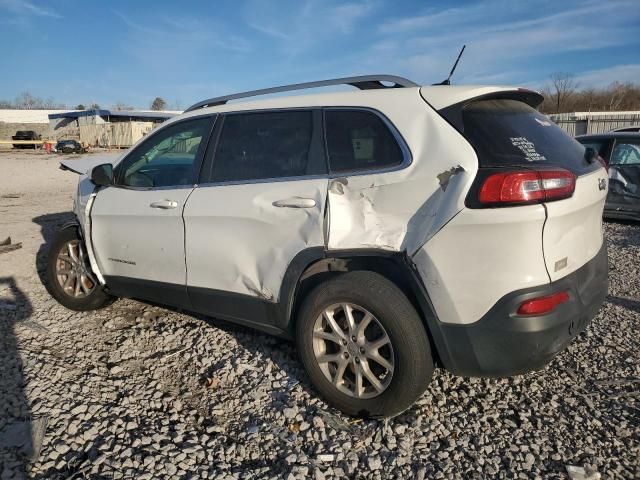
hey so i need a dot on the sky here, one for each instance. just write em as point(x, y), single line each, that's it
point(120, 51)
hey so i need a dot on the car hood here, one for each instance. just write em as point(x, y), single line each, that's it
point(83, 166)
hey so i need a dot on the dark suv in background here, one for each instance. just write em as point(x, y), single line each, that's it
point(25, 135)
point(621, 152)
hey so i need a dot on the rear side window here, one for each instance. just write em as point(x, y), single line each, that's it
point(626, 152)
point(359, 140)
point(267, 145)
point(511, 133)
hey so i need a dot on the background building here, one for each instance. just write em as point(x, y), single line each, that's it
point(95, 128)
point(105, 128)
point(579, 123)
point(13, 120)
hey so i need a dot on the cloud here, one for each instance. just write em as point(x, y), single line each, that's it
point(168, 42)
point(507, 42)
point(301, 27)
point(24, 8)
point(345, 16)
point(606, 76)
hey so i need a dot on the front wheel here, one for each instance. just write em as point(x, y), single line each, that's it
point(363, 345)
point(70, 279)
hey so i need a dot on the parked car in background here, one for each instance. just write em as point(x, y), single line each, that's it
point(621, 153)
point(632, 128)
point(69, 146)
point(25, 135)
point(384, 230)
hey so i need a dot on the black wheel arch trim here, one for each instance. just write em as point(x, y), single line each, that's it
point(418, 292)
point(74, 224)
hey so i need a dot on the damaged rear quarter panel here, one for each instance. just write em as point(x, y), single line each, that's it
point(401, 210)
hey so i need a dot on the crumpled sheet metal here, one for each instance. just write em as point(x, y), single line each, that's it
point(401, 210)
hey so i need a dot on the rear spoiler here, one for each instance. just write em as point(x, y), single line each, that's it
point(453, 113)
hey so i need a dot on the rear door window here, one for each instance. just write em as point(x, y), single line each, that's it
point(268, 145)
point(511, 133)
point(360, 140)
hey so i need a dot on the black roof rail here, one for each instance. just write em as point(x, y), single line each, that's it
point(364, 82)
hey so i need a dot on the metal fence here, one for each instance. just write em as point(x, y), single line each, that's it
point(580, 124)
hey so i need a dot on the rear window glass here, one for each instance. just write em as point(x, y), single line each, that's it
point(508, 132)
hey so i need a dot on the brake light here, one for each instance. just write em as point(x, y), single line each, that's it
point(527, 186)
point(543, 305)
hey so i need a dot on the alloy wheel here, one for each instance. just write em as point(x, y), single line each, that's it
point(353, 350)
point(73, 272)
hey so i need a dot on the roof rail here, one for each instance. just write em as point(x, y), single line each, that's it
point(364, 82)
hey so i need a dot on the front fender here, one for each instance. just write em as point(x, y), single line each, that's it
point(83, 227)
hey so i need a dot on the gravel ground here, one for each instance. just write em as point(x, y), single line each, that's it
point(139, 391)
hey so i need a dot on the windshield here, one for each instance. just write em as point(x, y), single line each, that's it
point(508, 132)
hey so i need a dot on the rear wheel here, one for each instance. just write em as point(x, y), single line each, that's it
point(70, 279)
point(363, 345)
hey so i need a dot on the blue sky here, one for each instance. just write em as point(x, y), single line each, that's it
point(184, 51)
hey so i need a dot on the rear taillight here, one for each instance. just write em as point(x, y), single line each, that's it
point(521, 187)
point(543, 305)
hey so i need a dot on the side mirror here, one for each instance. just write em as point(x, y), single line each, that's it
point(102, 175)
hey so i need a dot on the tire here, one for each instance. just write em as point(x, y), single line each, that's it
point(412, 366)
point(80, 296)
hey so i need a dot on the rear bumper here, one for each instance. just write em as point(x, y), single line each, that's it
point(502, 343)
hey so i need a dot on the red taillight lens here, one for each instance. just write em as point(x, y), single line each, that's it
point(529, 186)
point(543, 305)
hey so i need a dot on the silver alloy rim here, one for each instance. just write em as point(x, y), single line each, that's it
point(73, 272)
point(353, 350)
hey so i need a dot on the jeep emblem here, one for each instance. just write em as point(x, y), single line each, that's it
point(602, 183)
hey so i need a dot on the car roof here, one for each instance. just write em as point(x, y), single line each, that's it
point(608, 135)
point(438, 96)
point(622, 129)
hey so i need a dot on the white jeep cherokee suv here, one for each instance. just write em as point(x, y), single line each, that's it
point(385, 230)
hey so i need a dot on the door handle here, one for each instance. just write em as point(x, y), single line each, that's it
point(164, 204)
point(295, 202)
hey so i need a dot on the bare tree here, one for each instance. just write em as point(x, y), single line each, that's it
point(122, 106)
point(158, 104)
point(616, 96)
point(5, 105)
point(27, 101)
point(561, 90)
point(94, 106)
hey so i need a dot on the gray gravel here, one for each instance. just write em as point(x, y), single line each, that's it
point(139, 391)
